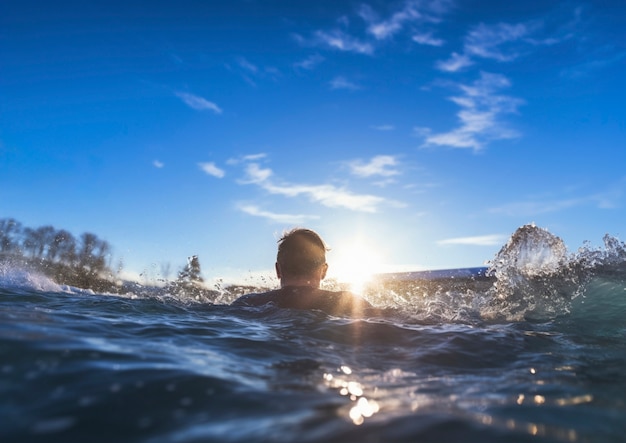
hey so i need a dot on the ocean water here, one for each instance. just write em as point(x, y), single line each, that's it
point(535, 351)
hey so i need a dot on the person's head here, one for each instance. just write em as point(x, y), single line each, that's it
point(301, 258)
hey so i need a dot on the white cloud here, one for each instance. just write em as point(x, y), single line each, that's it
point(387, 28)
point(455, 63)
point(381, 165)
point(254, 157)
point(342, 83)
point(211, 169)
point(341, 41)
point(295, 219)
point(412, 12)
point(264, 72)
point(158, 164)
point(481, 240)
point(325, 194)
point(310, 62)
point(245, 64)
point(503, 42)
point(480, 115)
point(246, 158)
point(198, 103)
point(250, 72)
point(421, 131)
point(487, 41)
point(427, 39)
point(329, 195)
point(256, 175)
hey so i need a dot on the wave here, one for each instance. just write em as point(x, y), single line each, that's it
point(536, 276)
point(12, 276)
point(533, 277)
point(18, 276)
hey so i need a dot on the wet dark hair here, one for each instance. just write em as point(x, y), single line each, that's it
point(300, 252)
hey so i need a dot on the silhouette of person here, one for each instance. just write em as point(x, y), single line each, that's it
point(301, 266)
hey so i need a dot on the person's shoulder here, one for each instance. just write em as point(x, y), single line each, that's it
point(348, 295)
point(297, 297)
point(346, 302)
point(255, 298)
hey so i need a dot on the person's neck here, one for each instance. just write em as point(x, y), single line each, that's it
point(300, 281)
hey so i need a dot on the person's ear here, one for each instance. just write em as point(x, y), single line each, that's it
point(278, 273)
point(324, 270)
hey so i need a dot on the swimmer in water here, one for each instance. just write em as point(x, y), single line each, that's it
point(301, 266)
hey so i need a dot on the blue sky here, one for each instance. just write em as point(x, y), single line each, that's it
point(410, 134)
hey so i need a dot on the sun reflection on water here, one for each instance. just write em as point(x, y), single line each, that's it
point(362, 406)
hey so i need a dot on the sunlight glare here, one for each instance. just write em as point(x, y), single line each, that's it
point(355, 265)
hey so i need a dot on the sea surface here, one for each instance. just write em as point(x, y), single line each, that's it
point(532, 349)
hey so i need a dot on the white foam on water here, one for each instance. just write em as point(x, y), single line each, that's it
point(16, 277)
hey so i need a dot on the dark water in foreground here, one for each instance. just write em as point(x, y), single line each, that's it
point(539, 356)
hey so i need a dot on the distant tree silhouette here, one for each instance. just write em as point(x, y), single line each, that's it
point(30, 241)
point(190, 282)
point(45, 237)
point(92, 253)
point(83, 261)
point(57, 253)
point(63, 248)
point(10, 235)
point(191, 273)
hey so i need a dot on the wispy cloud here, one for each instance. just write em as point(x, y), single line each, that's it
point(295, 219)
point(246, 65)
point(480, 240)
point(246, 158)
point(198, 103)
point(310, 62)
point(497, 42)
point(343, 83)
point(613, 196)
point(455, 63)
point(380, 165)
point(383, 29)
point(210, 169)
point(536, 207)
point(610, 198)
point(411, 12)
point(158, 164)
point(256, 175)
point(427, 38)
point(251, 72)
point(410, 15)
point(598, 62)
point(492, 42)
point(325, 194)
point(502, 42)
point(480, 115)
point(341, 41)
point(386, 127)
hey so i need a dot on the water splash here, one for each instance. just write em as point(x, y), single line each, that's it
point(610, 261)
point(535, 277)
point(15, 276)
point(532, 277)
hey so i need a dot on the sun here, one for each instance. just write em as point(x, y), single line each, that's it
point(354, 265)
